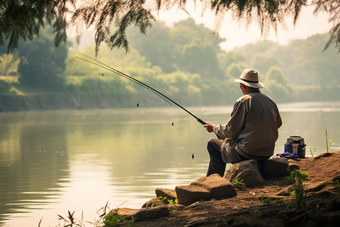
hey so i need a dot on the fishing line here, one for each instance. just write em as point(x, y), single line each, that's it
point(137, 96)
point(159, 94)
point(192, 141)
point(172, 113)
point(104, 66)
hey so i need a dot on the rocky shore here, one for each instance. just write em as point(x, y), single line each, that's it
point(266, 201)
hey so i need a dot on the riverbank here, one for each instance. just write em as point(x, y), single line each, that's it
point(263, 206)
point(59, 101)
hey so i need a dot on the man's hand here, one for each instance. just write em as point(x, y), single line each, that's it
point(209, 127)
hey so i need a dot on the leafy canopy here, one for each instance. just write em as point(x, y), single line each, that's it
point(110, 18)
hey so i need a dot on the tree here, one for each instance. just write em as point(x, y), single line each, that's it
point(263, 62)
point(276, 84)
point(187, 47)
point(235, 70)
point(23, 18)
point(41, 63)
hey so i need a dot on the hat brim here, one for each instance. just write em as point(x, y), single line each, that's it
point(249, 84)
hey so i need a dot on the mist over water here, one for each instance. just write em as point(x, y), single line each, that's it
point(77, 160)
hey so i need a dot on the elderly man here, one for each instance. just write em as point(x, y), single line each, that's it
point(252, 130)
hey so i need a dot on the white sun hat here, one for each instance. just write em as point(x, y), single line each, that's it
point(250, 78)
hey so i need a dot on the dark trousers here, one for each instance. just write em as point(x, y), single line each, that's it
point(216, 164)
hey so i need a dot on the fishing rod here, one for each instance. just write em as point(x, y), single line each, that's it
point(159, 94)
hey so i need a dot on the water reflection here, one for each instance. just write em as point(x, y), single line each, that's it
point(33, 158)
point(55, 161)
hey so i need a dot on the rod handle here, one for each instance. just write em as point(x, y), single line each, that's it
point(200, 121)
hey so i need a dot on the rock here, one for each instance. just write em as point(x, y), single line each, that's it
point(125, 212)
point(247, 170)
point(157, 212)
point(293, 167)
point(168, 193)
point(176, 207)
point(316, 186)
point(197, 206)
point(323, 155)
point(277, 167)
point(152, 203)
point(218, 187)
point(205, 188)
point(189, 194)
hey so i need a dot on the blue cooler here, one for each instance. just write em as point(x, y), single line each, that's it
point(296, 145)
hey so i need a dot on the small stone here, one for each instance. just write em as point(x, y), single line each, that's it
point(168, 193)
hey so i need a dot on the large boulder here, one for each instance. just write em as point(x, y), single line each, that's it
point(277, 167)
point(247, 170)
point(205, 188)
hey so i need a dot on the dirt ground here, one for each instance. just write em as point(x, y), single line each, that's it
point(246, 209)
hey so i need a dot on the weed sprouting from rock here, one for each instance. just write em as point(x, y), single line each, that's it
point(238, 183)
point(336, 185)
point(330, 142)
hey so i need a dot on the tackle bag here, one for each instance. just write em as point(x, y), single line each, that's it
point(295, 145)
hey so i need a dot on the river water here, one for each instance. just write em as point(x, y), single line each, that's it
point(77, 160)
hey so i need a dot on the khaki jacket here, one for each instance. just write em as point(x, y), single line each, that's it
point(253, 126)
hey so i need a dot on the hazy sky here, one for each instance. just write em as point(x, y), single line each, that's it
point(236, 35)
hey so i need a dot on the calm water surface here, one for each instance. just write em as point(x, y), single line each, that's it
point(55, 161)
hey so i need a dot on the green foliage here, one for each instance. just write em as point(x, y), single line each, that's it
point(200, 57)
point(166, 201)
point(113, 219)
point(312, 151)
point(336, 185)
point(42, 64)
point(330, 142)
point(235, 70)
point(276, 84)
point(299, 177)
point(293, 174)
point(225, 59)
point(271, 201)
point(238, 183)
point(23, 19)
point(70, 220)
point(186, 47)
point(263, 62)
point(7, 84)
point(9, 64)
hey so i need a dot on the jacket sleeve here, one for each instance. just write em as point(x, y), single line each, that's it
point(235, 123)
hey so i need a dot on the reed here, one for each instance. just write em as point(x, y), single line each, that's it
point(330, 142)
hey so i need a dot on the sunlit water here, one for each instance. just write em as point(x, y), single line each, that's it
point(77, 160)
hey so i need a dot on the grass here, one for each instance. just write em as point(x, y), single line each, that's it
point(106, 218)
point(271, 201)
point(336, 185)
point(312, 151)
point(165, 201)
point(330, 142)
point(298, 177)
point(238, 183)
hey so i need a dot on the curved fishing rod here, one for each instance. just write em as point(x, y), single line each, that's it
point(159, 94)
